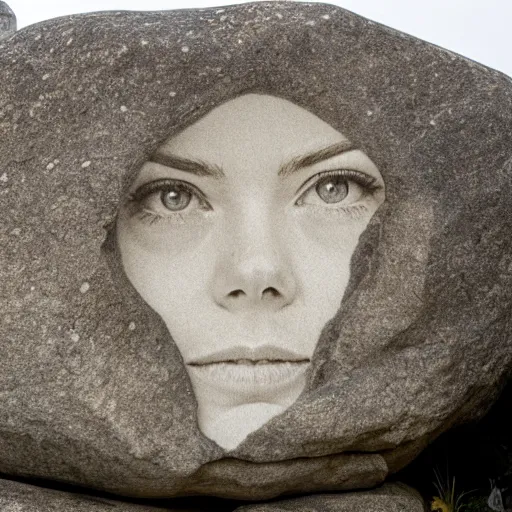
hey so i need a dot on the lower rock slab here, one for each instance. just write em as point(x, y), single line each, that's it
point(21, 497)
point(387, 498)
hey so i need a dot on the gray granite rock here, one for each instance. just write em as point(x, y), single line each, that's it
point(7, 21)
point(387, 498)
point(93, 390)
point(18, 497)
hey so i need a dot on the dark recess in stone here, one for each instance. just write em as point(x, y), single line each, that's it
point(474, 454)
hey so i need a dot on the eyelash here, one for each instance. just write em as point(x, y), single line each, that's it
point(146, 190)
point(157, 186)
point(368, 183)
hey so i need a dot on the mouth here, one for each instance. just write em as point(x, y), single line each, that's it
point(263, 355)
point(250, 369)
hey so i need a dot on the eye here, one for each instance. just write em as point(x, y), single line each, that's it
point(332, 190)
point(175, 199)
point(165, 198)
point(342, 187)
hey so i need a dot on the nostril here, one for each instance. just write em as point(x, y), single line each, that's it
point(236, 293)
point(271, 291)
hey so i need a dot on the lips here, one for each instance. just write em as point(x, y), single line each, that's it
point(244, 380)
point(262, 355)
point(255, 362)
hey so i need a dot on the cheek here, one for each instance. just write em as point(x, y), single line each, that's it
point(324, 252)
point(332, 232)
point(165, 264)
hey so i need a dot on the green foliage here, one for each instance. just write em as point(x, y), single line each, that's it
point(447, 499)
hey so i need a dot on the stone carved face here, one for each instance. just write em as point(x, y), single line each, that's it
point(94, 382)
point(247, 264)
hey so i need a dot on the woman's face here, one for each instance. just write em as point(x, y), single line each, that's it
point(239, 233)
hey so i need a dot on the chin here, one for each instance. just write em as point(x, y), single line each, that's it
point(231, 426)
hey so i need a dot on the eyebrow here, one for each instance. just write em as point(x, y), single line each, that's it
point(298, 163)
point(214, 171)
point(184, 164)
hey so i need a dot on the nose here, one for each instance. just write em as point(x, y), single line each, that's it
point(253, 270)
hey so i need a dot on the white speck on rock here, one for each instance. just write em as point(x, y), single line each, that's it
point(124, 108)
point(144, 42)
point(86, 164)
point(75, 337)
point(310, 23)
point(46, 76)
point(4, 177)
point(32, 288)
point(369, 113)
point(16, 232)
point(432, 122)
point(50, 166)
point(326, 17)
point(69, 42)
point(172, 94)
point(132, 326)
point(185, 49)
point(219, 11)
point(85, 287)
point(279, 15)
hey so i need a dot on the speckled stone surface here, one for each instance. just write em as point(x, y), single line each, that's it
point(387, 498)
point(7, 21)
point(93, 390)
point(18, 497)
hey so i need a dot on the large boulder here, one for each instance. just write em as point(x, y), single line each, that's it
point(7, 21)
point(92, 387)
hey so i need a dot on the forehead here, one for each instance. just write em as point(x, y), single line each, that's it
point(253, 126)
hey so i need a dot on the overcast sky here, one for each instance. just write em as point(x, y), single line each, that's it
point(480, 30)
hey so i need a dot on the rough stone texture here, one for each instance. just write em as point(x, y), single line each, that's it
point(18, 497)
point(7, 21)
point(388, 498)
point(93, 390)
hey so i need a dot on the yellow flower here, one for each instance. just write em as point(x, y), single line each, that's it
point(439, 505)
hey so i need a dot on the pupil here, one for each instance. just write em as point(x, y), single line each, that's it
point(175, 199)
point(332, 190)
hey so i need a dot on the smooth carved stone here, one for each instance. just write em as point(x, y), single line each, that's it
point(388, 498)
point(93, 390)
point(7, 21)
